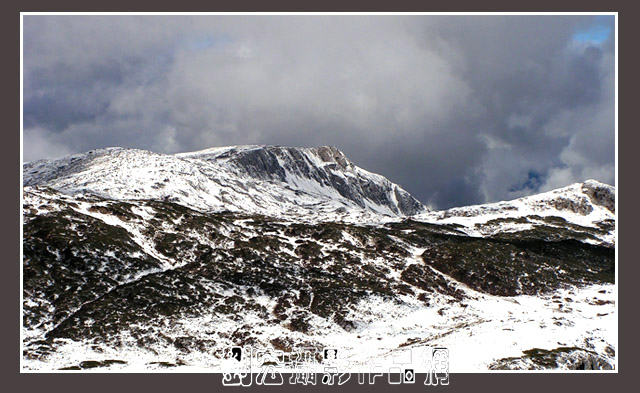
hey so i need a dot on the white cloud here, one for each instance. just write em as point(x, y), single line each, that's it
point(39, 143)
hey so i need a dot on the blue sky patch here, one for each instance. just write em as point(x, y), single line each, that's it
point(598, 31)
point(533, 182)
point(208, 41)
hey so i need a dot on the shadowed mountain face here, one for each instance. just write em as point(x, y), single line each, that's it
point(325, 166)
point(158, 278)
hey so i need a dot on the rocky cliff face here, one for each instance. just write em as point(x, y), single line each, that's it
point(322, 167)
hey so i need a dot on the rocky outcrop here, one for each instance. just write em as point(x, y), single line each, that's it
point(600, 194)
point(568, 358)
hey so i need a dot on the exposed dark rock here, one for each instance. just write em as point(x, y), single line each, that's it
point(570, 358)
point(600, 194)
point(273, 162)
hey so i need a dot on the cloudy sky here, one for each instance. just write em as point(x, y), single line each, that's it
point(457, 109)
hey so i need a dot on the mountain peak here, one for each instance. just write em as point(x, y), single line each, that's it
point(579, 198)
point(333, 154)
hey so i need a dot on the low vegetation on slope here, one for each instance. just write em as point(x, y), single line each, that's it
point(157, 264)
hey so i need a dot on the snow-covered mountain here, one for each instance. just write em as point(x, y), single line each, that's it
point(586, 208)
point(142, 261)
point(312, 183)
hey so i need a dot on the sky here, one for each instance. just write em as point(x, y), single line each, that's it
point(458, 110)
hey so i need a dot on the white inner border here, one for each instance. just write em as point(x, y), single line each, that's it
point(22, 14)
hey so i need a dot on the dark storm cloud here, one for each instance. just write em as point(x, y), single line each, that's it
point(458, 110)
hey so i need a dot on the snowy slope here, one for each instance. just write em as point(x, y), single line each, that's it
point(588, 207)
point(146, 285)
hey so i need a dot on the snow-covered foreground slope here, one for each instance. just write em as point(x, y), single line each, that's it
point(247, 246)
point(484, 333)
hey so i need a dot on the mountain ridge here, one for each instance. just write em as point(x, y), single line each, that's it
point(267, 179)
point(280, 164)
